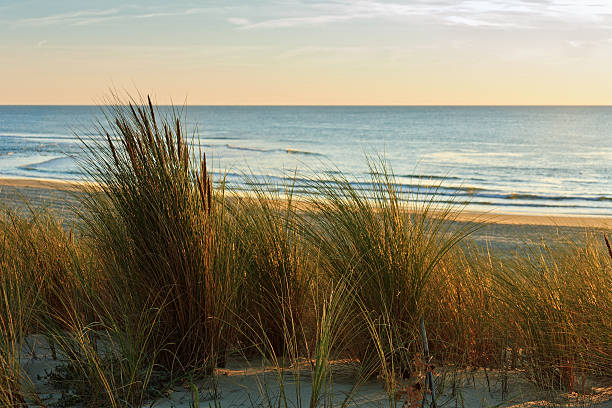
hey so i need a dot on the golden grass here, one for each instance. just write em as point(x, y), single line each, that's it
point(169, 273)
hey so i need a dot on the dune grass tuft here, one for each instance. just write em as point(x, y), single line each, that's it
point(159, 226)
point(277, 270)
point(389, 243)
point(37, 256)
point(559, 303)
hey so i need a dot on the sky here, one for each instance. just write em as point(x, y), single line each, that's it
point(303, 52)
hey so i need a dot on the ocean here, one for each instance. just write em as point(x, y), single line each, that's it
point(544, 160)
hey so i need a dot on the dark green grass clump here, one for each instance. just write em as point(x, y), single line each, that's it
point(158, 225)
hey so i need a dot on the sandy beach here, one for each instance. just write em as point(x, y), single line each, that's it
point(250, 384)
point(53, 192)
point(506, 232)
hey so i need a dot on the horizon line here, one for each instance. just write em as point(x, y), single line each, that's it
point(332, 105)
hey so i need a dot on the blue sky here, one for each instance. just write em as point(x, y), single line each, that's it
point(309, 52)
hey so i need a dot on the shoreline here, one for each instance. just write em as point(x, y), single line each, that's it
point(577, 221)
point(490, 217)
point(42, 183)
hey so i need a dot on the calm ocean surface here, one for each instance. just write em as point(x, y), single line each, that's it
point(551, 160)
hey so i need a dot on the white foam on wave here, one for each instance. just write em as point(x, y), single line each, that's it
point(61, 165)
point(599, 155)
point(477, 158)
point(287, 150)
point(44, 136)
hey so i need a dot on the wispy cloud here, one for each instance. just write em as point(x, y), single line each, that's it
point(69, 18)
point(89, 17)
point(238, 21)
point(318, 51)
point(223, 55)
point(320, 13)
point(499, 14)
point(283, 14)
point(301, 21)
point(476, 22)
point(188, 12)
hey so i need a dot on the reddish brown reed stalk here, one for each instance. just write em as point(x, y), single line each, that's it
point(608, 245)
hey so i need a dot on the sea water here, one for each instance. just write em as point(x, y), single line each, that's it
point(547, 160)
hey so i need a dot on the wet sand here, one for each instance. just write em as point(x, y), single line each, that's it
point(54, 195)
point(504, 231)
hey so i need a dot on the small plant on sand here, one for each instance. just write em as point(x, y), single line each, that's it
point(310, 357)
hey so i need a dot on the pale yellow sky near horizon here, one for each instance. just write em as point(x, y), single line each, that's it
point(366, 52)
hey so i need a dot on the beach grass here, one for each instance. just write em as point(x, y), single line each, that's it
point(276, 270)
point(18, 296)
point(167, 275)
point(560, 305)
point(160, 228)
point(390, 244)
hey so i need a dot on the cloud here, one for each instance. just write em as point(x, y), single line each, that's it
point(318, 51)
point(334, 12)
point(288, 14)
point(89, 17)
point(238, 21)
point(475, 22)
point(301, 21)
point(188, 12)
point(69, 18)
point(41, 43)
point(495, 14)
